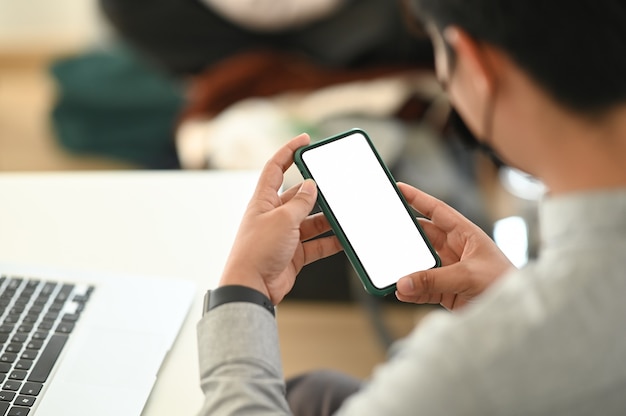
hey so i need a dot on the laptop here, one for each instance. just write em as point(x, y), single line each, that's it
point(84, 343)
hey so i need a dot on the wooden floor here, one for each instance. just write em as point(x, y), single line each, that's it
point(338, 336)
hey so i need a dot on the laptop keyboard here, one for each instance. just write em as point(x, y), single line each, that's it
point(36, 319)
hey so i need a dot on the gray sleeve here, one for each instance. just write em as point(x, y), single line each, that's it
point(430, 373)
point(240, 366)
point(511, 353)
point(241, 371)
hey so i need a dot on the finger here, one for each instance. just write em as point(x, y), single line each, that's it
point(441, 242)
point(299, 207)
point(272, 174)
point(289, 193)
point(452, 302)
point(320, 248)
point(450, 279)
point(437, 211)
point(420, 300)
point(435, 235)
point(448, 301)
point(313, 226)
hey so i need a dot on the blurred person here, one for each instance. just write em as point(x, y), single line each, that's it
point(185, 37)
point(541, 84)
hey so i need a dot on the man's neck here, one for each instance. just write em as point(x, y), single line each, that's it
point(590, 155)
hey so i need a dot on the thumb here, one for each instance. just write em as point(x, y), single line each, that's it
point(450, 279)
point(304, 200)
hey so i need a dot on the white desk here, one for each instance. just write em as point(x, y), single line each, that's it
point(167, 224)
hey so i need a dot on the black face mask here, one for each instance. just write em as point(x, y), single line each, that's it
point(457, 127)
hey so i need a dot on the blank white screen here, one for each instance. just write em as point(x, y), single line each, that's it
point(366, 206)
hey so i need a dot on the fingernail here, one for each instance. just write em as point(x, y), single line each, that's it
point(451, 35)
point(307, 187)
point(405, 286)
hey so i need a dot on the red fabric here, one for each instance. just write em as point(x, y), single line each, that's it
point(268, 73)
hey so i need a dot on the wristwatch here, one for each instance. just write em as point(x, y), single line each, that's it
point(234, 293)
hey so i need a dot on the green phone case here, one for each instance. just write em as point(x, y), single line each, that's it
point(350, 253)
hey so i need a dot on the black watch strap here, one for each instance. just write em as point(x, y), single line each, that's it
point(228, 294)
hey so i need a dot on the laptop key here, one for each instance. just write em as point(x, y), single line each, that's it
point(45, 326)
point(30, 318)
point(48, 357)
point(14, 347)
point(31, 389)
point(32, 283)
point(4, 406)
point(19, 337)
point(6, 396)
point(47, 289)
point(11, 318)
point(8, 293)
point(25, 400)
point(8, 357)
point(12, 385)
point(35, 309)
point(65, 327)
point(18, 411)
point(70, 317)
point(56, 306)
point(23, 365)
point(5, 367)
point(29, 354)
point(81, 298)
point(6, 329)
point(18, 375)
point(34, 344)
point(51, 316)
point(40, 300)
point(25, 328)
point(14, 283)
point(38, 335)
point(17, 309)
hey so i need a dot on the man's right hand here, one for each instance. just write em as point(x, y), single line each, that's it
point(470, 260)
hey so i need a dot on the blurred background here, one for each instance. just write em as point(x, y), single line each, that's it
point(32, 35)
point(193, 85)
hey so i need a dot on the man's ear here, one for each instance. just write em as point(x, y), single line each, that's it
point(472, 86)
point(474, 58)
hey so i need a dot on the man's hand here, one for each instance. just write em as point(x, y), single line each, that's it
point(470, 259)
point(272, 244)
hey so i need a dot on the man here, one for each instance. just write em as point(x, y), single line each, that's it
point(542, 83)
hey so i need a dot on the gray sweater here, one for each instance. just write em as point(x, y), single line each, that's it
point(549, 339)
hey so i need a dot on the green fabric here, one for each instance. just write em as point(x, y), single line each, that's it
point(113, 104)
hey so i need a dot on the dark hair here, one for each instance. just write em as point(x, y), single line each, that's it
point(574, 49)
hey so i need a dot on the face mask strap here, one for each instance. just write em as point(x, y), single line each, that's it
point(458, 128)
point(456, 123)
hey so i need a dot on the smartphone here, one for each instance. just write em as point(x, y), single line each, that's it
point(378, 231)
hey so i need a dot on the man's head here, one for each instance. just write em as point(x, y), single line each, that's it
point(574, 49)
point(505, 61)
